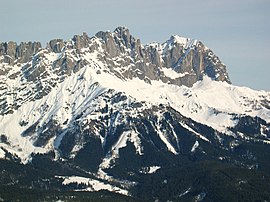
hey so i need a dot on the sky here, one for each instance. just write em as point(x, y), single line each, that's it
point(238, 31)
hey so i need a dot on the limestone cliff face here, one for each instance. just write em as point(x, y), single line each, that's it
point(179, 61)
point(190, 58)
point(12, 53)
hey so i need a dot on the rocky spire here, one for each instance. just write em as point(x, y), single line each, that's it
point(22, 52)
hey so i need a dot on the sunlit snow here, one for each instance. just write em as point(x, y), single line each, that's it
point(92, 185)
point(209, 102)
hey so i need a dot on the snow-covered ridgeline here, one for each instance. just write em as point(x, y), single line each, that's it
point(209, 102)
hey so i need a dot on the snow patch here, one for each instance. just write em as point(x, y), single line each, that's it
point(92, 185)
point(150, 170)
point(153, 169)
point(266, 141)
point(166, 142)
point(185, 192)
point(185, 42)
point(131, 136)
point(168, 72)
point(194, 132)
point(126, 136)
point(2, 154)
point(195, 146)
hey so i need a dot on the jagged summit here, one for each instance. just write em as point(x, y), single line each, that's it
point(184, 55)
point(122, 29)
point(178, 61)
point(11, 51)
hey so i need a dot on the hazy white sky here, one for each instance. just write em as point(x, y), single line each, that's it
point(238, 31)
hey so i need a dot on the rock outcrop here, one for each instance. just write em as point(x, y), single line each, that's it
point(190, 58)
point(21, 53)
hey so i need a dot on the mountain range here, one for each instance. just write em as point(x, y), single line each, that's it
point(107, 118)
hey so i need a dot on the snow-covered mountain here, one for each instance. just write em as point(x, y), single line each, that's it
point(117, 110)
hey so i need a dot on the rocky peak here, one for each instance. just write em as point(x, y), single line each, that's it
point(22, 52)
point(191, 56)
point(81, 41)
point(120, 41)
point(55, 45)
point(188, 57)
point(8, 51)
point(124, 34)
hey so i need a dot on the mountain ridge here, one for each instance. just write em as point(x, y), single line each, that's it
point(144, 62)
point(90, 105)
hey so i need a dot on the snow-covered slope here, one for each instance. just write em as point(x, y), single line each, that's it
point(113, 91)
point(212, 103)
